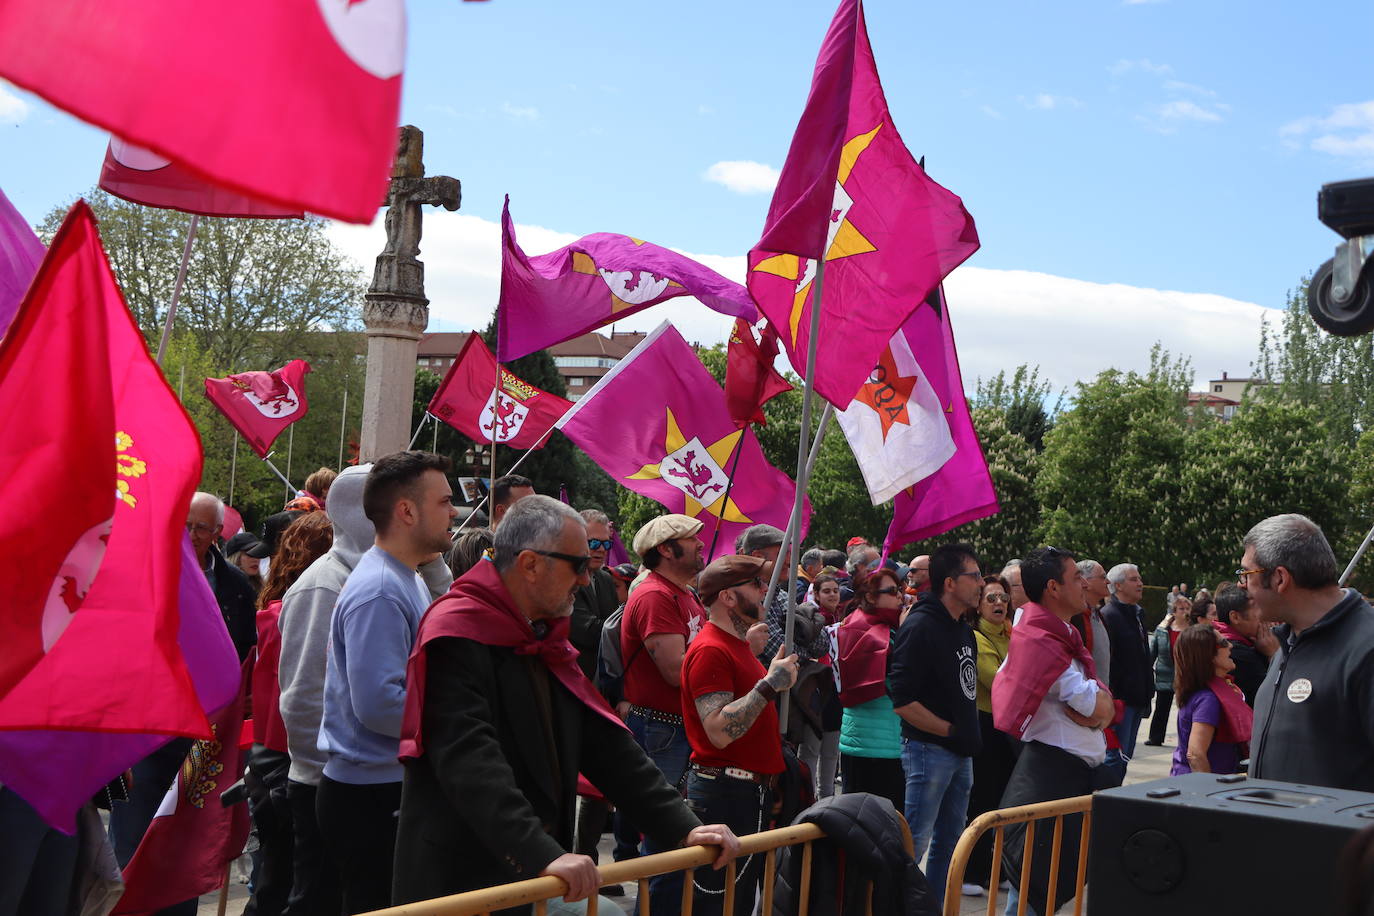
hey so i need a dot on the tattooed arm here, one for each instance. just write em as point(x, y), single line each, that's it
point(726, 718)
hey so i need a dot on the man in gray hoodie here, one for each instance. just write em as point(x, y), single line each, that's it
point(304, 623)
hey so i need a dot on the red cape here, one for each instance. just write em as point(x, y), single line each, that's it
point(1041, 648)
point(479, 608)
point(1238, 719)
point(863, 640)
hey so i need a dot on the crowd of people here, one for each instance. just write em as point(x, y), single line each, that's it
point(435, 713)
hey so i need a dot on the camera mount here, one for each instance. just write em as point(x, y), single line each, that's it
point(1340, 297)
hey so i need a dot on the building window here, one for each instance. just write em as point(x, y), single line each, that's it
point(1217, 389)
point(576, 381)
point(583, 362)
point(1228, 411)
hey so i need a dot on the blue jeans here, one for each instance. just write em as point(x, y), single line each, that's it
point(668, 748)
point(937, 788)
point(1125, 731)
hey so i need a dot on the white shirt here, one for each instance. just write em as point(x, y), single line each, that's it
point(1051, 724)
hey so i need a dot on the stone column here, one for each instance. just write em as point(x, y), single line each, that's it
point(396, 312)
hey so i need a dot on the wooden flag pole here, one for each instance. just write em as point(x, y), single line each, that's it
point(176, 290)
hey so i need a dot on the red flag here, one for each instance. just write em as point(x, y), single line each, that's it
point(294, 103)
point(192, 837)
point(261, 404)
point(851, 193)
point(750, 379)
point(517, 414)
point(101, 461)
point(143, 177)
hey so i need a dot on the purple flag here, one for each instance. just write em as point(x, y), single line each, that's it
point(961, 490)
point(58, 771)
point(617, 554)
point(20, 254)
point(597, 279)
point(851, 193)
point(677, 450)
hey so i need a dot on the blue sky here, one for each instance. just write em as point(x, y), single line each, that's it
point(1174, 145)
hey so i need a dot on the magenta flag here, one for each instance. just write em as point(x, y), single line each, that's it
point(680, 450)
point(20, 254)
point(597, 279)
point(261, 405)
point(295, 103)
point(144, 177)
point(851, 192)
point(961, 490)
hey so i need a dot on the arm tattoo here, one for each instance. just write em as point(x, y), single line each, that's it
point(737, 715)
point(777, 679)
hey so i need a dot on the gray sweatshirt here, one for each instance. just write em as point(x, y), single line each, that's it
point(305, 612)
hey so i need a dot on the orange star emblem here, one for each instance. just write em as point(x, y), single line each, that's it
point(887, 391)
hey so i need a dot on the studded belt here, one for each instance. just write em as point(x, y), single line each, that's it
point(667, 718)
point(769, 780)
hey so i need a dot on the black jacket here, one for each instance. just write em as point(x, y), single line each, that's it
point(237, 602)
point(1314, 716)
point(592, 604)
point(934, 662)
point(1251, 667)
point(493, 797)
point(863, 843)
point(1132, 675)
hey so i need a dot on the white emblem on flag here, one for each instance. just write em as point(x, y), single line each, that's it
point(278, 408)
point(692, 470)
point(505, 420)
point(646, 287)
point(73, 581)
point(136, 157)
point(371, 32)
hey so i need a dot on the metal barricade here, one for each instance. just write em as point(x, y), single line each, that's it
point(539, 891)
point(1028, 815)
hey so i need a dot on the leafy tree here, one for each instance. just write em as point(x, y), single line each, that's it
point(1022, 400)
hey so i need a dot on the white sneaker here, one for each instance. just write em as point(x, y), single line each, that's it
point(973, 890)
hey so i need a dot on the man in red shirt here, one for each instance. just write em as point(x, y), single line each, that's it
point(732, 724)
point(661, 618)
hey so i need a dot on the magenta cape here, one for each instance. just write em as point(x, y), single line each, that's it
point(479, 608)
point(1041, 648)
point(864, 638)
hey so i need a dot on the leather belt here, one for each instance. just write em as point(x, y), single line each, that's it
point(769, 780)
point(667, 718)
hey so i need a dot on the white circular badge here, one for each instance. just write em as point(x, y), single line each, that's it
point(371, 32)
point(1299, 690)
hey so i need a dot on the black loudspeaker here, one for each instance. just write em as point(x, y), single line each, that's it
point(1210, 845)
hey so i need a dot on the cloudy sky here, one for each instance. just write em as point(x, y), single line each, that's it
point(1139, 171)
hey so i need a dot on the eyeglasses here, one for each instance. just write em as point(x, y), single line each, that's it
point(595, 544)
point(579, 564)
point(976, 574)
point(199, 527)
point(1242, 574)
point(756, 582)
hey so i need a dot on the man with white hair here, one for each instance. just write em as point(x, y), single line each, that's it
point(1132, 675)
point(233, 591)
point(499, 721)
point(1012, 573)
point(1095, 636)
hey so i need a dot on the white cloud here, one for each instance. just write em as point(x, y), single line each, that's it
point(1139, 2)
point(1073, 329)
point(991, 112)
point(1179, 86)
point(519, 112)
point(1123, 66)
point(1045, 102)
point(13, 109)
point(743, 176)
point(1347, 131)
point(1184, 110)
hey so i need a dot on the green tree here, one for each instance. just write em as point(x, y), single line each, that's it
point(1023, 401)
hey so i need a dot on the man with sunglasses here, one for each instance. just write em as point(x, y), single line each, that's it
point(732, 724)
point(1314, 713)
point(933, 683)
point(596, 600)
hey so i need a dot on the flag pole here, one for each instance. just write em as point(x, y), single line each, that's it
point(290, 448)
point(176, 290)
point(729, 484)
point(791, 545)
point(343, 424)
point(495, 407)
point(233, 468)
point(424, 418)
point(277, 471)
point(513, 468)
point(826, 416)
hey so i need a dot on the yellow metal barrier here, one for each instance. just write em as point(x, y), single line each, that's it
point(1028, 815)
point(538, 891)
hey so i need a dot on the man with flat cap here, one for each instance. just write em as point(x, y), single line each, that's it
point(661, 618)
point(732, 724)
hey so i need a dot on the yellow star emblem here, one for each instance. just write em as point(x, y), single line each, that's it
point(844, 239)
point(695, 480)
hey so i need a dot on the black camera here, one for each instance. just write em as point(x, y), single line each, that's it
point(1340, 297)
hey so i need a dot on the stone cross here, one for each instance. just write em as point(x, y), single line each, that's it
point(396, 311)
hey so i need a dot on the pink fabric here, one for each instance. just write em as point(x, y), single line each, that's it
point(263, 98)
point(961, 491)
point(1238, 719)
point(851, 193)
point(268, 728)
point(175, 187)
point(864, 640)
point(1041, 648)
point(523, 415)
point(20, 254)
point(261, 404)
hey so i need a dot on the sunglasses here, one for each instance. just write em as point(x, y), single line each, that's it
point(595, 544)
point(890, 590)
point(996, 598)
point(579, 564)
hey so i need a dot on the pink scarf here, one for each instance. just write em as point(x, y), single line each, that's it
point(1041, 648)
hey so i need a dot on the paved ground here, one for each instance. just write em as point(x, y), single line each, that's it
point(1149, 763)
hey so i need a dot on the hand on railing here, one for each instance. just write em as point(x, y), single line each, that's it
point(715, 835)
point(579, 873)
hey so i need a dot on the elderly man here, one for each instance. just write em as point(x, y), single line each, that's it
point(661, 619)
point(808, 568)
point(1094, 629)
point(918, 573)
point(509, 489)
point(1132, 678)
point(1012, 573)
point(731, 721)
point(233, 592)
point(500, 721)
point(1314, 715)
point(1048, 696)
